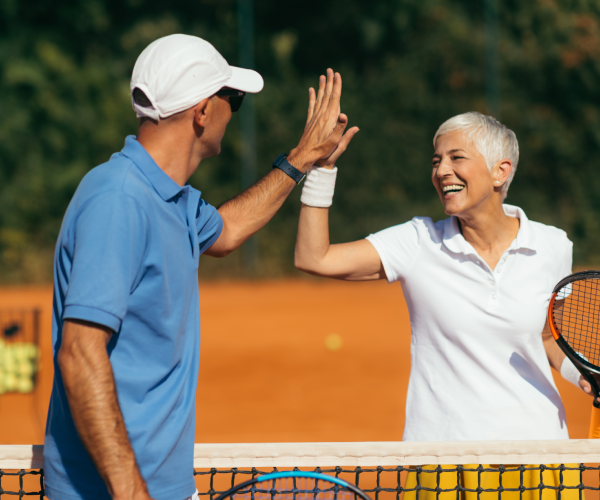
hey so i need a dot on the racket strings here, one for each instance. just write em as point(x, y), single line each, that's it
point(576, 313)
point(295, 488)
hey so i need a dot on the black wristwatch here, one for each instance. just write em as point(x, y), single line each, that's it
point(282, 163)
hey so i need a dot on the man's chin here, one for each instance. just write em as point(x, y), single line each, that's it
point(216, 151)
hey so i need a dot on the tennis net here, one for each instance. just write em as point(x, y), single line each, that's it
point(491, 470)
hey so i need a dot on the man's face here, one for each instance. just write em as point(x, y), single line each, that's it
point(218, 116)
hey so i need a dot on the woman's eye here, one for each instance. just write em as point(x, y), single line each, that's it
point(458, 157)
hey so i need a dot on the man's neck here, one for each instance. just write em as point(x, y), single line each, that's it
point(175, 153)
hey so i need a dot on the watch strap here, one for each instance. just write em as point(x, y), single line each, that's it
point(284, 165)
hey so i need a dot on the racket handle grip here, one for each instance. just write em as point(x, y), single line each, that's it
point(595, 424)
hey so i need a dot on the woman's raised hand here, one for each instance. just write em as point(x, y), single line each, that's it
point(323, 137)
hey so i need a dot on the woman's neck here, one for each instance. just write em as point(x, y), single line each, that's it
point(490, 232)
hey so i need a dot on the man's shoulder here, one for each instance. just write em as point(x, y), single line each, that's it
point(119, 176)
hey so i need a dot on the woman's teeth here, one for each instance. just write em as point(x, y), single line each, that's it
point(454, 188)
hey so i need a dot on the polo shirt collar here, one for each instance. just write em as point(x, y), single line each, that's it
point(456, 243)
point(166, 187)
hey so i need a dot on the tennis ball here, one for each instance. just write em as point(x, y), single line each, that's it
point(24, 384)
point(9, 363)
point(333, 342)
point(10, 382)
point(25, 368)
point(19, 352)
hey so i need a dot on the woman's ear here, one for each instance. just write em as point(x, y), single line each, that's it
point(501, 172)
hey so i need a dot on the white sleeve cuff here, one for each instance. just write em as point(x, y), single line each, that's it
point(318, 187)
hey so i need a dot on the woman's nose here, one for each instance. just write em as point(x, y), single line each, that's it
point(444, 168)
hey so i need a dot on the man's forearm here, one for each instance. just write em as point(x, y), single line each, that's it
point(89, 383)
point(250, 211)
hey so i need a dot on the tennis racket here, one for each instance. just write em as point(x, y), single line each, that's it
point(295, 485)
point(574, 319)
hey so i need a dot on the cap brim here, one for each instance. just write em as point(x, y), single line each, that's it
point(246, 80)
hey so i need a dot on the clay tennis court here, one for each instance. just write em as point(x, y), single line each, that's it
point(268, 372)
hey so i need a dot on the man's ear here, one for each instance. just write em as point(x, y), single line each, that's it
point(201, 112)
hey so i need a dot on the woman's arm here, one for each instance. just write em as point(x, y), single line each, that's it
point(554, 353)
point(556, 358)
point(355, 261)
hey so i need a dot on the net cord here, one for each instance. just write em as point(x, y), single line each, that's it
point(405, 453)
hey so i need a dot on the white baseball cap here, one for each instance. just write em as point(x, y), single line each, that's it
point(177, 71)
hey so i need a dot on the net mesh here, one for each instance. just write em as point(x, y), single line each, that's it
point(576, 313)
point(564, 470)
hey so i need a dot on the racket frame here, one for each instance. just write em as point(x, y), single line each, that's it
point(590, 372)
point(296, 473)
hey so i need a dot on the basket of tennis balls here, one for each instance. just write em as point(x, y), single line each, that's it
point(18, 366)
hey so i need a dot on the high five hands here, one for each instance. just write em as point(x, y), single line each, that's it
point(323, 140)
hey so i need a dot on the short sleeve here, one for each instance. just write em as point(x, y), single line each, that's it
point(209, 225)
point(398, 248)
point(109, 246)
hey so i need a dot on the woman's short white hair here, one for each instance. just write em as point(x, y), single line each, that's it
point(493, 140)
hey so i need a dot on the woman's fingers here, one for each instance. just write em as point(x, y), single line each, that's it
point(587, 388)
point(339, 150)
point(343, 145)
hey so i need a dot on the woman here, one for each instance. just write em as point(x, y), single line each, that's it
point(477, 287)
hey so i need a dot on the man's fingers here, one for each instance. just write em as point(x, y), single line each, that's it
point(327, 91)
point(320, 94)
point(312, 99)
point(336, 94)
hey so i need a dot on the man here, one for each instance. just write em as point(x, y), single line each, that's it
point(126, 309)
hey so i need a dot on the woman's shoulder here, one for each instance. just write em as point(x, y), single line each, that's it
point(549, 234)
point(537, 233)
point(419, 225)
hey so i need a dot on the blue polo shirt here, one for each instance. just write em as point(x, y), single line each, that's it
point(127, 258)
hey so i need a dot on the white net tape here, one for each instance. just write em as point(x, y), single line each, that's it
point(225, 455)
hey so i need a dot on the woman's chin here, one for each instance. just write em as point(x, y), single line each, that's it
point(451, 207)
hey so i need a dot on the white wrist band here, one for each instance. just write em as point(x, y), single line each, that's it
point(569, 372)
point(318, 187)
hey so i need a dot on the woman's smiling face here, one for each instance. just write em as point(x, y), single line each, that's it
point(460, 174)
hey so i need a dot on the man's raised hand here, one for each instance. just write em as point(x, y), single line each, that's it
point(323, 135)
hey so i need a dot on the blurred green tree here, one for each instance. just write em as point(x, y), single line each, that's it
point(407, 66)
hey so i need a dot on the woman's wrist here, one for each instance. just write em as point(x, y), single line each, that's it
point(319, 186)
point(569, 372)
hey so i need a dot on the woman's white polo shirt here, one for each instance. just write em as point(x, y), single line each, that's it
point(479, 370)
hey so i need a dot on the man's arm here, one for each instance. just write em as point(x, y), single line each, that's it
point(89, 383)
point(248, 212)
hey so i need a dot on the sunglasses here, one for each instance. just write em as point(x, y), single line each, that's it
point(235, 97)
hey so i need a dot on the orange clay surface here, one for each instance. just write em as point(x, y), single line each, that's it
point(266, 373)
